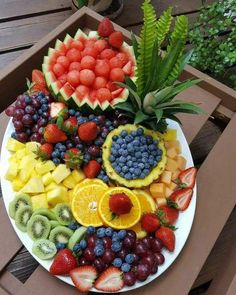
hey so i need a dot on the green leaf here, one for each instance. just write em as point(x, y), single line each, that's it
point(159, 114)
point(140, 117)
point(130, 83)
point(163, 25)
point(125, 106)
point(82, 3)
point(135, 45)
point(137, 100)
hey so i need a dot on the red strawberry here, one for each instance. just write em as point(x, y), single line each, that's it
point(182, 198)
point(120, 204)
point(187, 177)
point(45, 151)
point(70, 125)
point(167, 215)
point(127, 69)
point(88, 131)
point(150, 222)
point(52, 134)
point(105, 27)
point(83, 277)
point(63, 262)
point(73, 158)
point(116, 39)
point(39, 82)
point(110, 280)
point(92, 169)
point(58, 109)
point(167, 236)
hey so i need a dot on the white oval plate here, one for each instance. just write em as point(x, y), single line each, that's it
point(183, 224)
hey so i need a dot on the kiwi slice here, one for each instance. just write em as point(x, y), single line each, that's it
point(44, 249)
point(22, 217)
point(45, 212)
point(38, 227)
point(76, 237)
point(63, 214)
point(60, 234)
point(19, 201)
point(54, 223)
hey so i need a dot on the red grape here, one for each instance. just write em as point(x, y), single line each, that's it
point(140, 249)
point(29, 110)
point(156, 245)
point(18, 114)
point(99, 264)
point(147, 241)
point(149, 259)
point(10, 111)
point(27, 120)
point(108, 256)
point(42, 122)
point(130, 233)
point(154, 269)
point(142, 272)
point(160, 258)
point(18, 126)
point(136, 259)
point(21, 98)
point(128, 242)
point(89, 254)
point(22, 137)
point(36, 137)
point(106, 240)
point(129, 278)
point(122, 253)
point(36, 103)
point(35, 128)
point(83, 261)
point(94, 150)
point(91, 241)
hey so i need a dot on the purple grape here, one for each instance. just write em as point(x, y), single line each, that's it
point(18, 125)
point(136, 259)
point(94, 150)
point(89, 254)
point(29, 110)
point(129, 278)
point(122, 253)
point(18, 114)
point(128, 243)
point(116, 123)
point(107, 242)
point(131, 234)
point(22, 137)
point(156, 245)
point(14, 120)
point(147, 241)
point(83, 261)
point(91, 241)
point(101, 119)
point(160, 258)
point(99, 264)
point(36, 137)
point(18, 105)
point(108, 256)
point(35, 128)
point(45, 115)
point(10, 111)
point(42, 122)
point(140, 249)
point(154, 269)
point(27, 120)
point(21, 98)
point(35, 103)
point(142, 272)
point(150, 260)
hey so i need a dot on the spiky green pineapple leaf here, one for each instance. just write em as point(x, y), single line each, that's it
point(125, 106)
point(135, 99)
point(158, 114)
point(147, 38)
point(163, 26)
point(140, 117)
point(135, 45)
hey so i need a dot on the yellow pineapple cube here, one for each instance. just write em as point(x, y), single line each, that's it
point(14, 145)
point(171, 165)
point(69, 182)
point(24, 175)
point(47, 178)
point(57, 195)
point(39, 201)
point(20, 154)
point(11, 171)
point(17, 184)
point(13, 158)
point(168, 192)
point(60, 173)
point(181, 162)
point(52, 185)
point(78, 175)
point(33, 173)
point(172, 185)
point(157, 190)
point(171, 152)
point(44, 167)
point(32, 146)
point(161, 202)
point(166, 177)
point(33, 186)
point(170, 134)
point(27, 162)
point(175, 174)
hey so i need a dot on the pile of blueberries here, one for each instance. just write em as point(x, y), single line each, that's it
point(134, 154)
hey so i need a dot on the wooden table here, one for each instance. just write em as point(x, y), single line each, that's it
point(23, 23)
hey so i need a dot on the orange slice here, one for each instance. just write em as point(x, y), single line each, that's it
point(84, 204)
point(88, 181)
point(122, 221)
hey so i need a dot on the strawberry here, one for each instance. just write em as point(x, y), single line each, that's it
point(120, 204)
point(52, 134)
point(73, 158)
point(116, 39)
point(167, 236)
point(88, 131)
point(83, 277)
point(187, 177)
point(150, 222)
point(58, 109)
point(39, 83)
point(167, 215)
point(70, 125)
point(110, 280)
point(105, 27)
point(92, 169)
point(63, 262)
point(127, 69)
point(182, 198)
point(45, 151)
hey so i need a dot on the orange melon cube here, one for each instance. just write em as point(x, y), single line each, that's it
point(175, 174)
point(161, 202)
point(172, 185)
point(181, 162)
point(166, 177)
point(168, 192)
point(174, 144)
point(157, 190)
point(171, 165)
point(171, 152)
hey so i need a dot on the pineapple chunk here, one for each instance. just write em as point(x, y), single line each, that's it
point(166, 177)
point(70, 195)
point(69, 182)
point(47, 178)
point(175, 144)
point(161, 202)
point(172, 185)
point(157, 190)
point(57, 195)
point(17, 184)
point(171, 165)
point(168, 192)
point(11, 171)
point(52, 185)
point(32, 146)
point(175, 174)
point(78, 175)
point(60, 173)
point(20, 154)
point(44, 167)
point(171, 152)
point(14, 145)
point(181, 162)
point(24, 175)
point(27, 161)
point(39, 201)
point(33, 186)
point(170, 134)
point(33, 173)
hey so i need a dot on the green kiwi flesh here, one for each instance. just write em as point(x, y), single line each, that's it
point(19, 201)
point(22, 217)
point(38, 227)
point(44, 249)
point(76, 237)
point(54, 223)
point(60, 234)
point(63, 214)
point(45, 212)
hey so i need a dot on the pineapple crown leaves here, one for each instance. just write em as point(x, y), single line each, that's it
point(29, 85)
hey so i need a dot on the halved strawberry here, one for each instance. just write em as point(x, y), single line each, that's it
point(110, 280)
point(63, 262)
point(167, 215)
point(58, 109)
point(83, 277)
point(182, 198)
point(187, 177)
point(167, 236)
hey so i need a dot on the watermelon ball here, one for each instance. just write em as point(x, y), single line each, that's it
point(99, 82)
point(73, 54)
point(63, 79)
point(93, 95)
point(75, 65)
point(77, 45)
point(58, 70)
point(107, 54)
point(73, 77)
point(102, 68)
point(100, 45)
point(104, 94)
point(90, 42)
point(64, 61)
point(88, 62)
point(82, 91)
point(89, 51)
point(115, 62)
point(122, 57)
point(87, 77)
point(117, 74)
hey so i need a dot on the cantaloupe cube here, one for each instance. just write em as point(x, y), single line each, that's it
point(32, 146)
point(33, 186)
point(181, 162)
point(168, 192)
point(39, 201)
point(171, 165)
point(60, 173)
point(69, 182)
point(52, 185)
point(78, 175)
point(175, 174)
point(14, 145)
point(17, 184)
point(44, 167)
point(171, 152)
point(172, 185)
point(161, 202)
point(57, 195)
point(174, 143)
point(166, 177)
point(11, 171)
point(157, 190)
point(170, 134)
point(47, 178)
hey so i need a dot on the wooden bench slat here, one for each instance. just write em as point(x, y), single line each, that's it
point(214, 205)
point(3, 292)
point(7, 58)
point(10, 283)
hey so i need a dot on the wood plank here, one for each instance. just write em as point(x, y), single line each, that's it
point(7, 58)
point(10, 283)
point(217, 197)
point(3, 124)
point(25, 32)
point(12, 8)
point(3, 292)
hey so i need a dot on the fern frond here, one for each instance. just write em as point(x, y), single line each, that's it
point(163, 26)
point(147, 38)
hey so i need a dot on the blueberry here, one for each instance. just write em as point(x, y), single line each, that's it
point(112, 158)
point(149, 139)
point(118, 169)
point(76, 247)
point(27, 99)
point(146, 164)
point(146, 171)
point(131, 169)
point(44, 107)
point(62, 148)
point(117, 262)
point(123, 133)
point(151, 147)
point(130, 147)
point(60, 246)
point(91, 230)
point(137, 171)
point(62, 154)
point(128, 176)
point(133, 133)
point(35, 117)
point(91, 117)
point(125, 267)
point(111, 128)
point(122, 159)
point(71, 112)
point(99, 250)
point(13, 135)
point(83, 244)
point(128, 138)
point(136, 142)
point(145, 154)
point(40, 112)
point(87, 157)
point(104, 135)
point(129, 258)
point(108, 123)
point(80, 120)
point(124, 153)
point(108, 231)
point(99, 160)
point(140, 131)
point(122, 174)
point(115, 237)
point(101, 232)
point(105, 178)
point(129, 158)
point(116, 246)
point(122, 234)
point(44, 101)
point(28, 131)
point(151, 162)
point(98, 141)
point(141, 165)
point(77, 114)
point(56, 161)
point(129, 163)
point(142, 175)
point(138, 155)
point(135, 165)
point(73, 225)
point(125, 169)
point(114, 137)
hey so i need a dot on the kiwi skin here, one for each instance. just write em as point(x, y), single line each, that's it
point(63, 214)
point(60, 234)
point(22, 217)
point(45, 227)
point(40, 245)
point(45, 212)
point(19, 201)
point(76, 237)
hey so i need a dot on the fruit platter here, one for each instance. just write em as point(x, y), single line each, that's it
point(97, 176)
